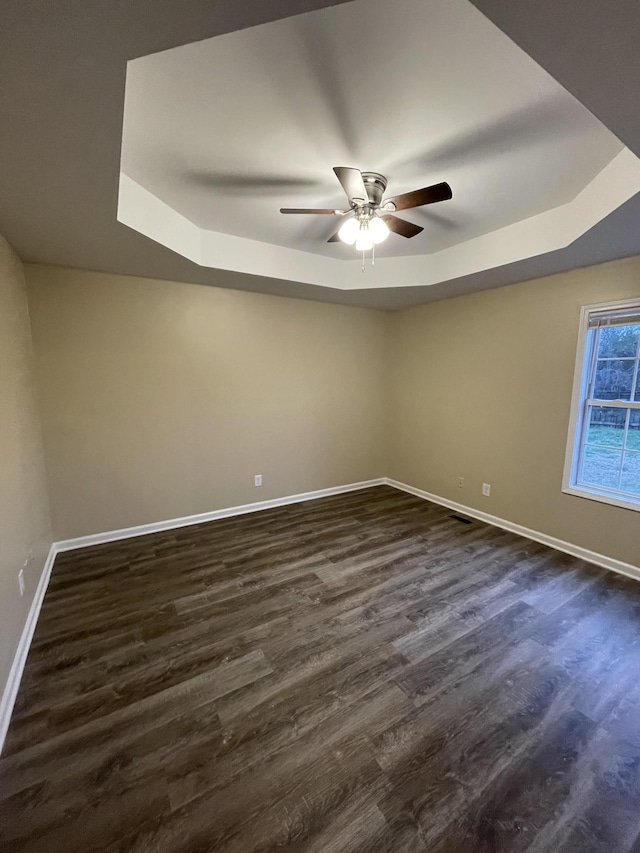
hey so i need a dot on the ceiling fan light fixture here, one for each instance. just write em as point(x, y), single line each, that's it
point(378, 229)
point(371, 217)
point(349, 231)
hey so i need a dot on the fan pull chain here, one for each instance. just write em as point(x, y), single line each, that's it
point(373, 255)
point(363, 260)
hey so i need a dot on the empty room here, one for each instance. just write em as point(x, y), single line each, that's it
point(320, 426)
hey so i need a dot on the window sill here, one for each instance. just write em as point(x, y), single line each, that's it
point(602, 497)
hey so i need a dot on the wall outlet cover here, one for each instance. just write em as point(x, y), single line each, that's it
point(258, 479)
point(486, 489)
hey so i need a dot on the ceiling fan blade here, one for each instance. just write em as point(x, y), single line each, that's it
point(330, 210)
point(352, 184)
point(334, 238)
point(401, 226)
point(427, 195)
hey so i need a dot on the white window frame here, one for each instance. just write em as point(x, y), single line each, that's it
point(579, 407)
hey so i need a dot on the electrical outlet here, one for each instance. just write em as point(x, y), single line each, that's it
point(486, 489)
point(257, 480)
point(21, 581)
point(460, 482)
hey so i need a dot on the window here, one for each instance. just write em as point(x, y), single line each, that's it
point(603, 454)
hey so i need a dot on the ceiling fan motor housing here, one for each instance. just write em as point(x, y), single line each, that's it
point(375, 184)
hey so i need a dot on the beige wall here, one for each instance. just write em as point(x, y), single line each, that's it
point(482, 389)
point(162, 400)
point(25, 525)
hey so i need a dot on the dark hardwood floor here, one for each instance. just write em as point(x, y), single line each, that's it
point(358, 673)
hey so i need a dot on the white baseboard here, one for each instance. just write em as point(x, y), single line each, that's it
point(185, 521)
point(8, 699)
point(559, 544)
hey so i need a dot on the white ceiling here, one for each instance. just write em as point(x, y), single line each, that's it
point(63, 70)
point(228, 130)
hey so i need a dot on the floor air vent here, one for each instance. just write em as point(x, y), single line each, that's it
point(462, 519)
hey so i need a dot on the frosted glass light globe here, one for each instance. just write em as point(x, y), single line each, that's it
point(364, 240)
point(378, 229)
point(349, 231)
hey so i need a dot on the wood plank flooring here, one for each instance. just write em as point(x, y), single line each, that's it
point(358, 673)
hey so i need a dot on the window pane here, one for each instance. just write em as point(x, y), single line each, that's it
point(600, 466)
point(633, 436)
point(618, 341)
point(631, 473)
point(606, 426)
point(607, 409)
point(613, 380)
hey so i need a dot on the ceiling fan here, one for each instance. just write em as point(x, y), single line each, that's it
point(374, 218)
